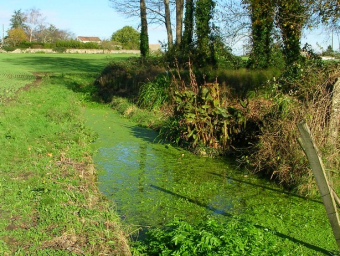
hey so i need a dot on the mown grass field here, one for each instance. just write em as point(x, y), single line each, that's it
point(50, 204)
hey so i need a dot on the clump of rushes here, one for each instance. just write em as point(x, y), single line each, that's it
point(154, 94)
point(50, 204)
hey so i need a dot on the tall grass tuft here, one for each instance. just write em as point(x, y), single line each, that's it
point(154, 94)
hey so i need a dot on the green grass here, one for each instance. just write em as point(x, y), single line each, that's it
point(17, 70)
point(57, 63)
point(50, 204)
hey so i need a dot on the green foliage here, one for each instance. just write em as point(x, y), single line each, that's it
point(9, 48)
point(154, 94)
point(143, 117)
point(18, 19)
point(128, 37)
point(330, 52)
point(290, 79)
point(111, 45)
point(291, 18)
point(188, 26)
point(144, 44)
point(60, 49)
point(124, 78)
point(144, 36)
point(208, 237)
point(223, 55)
point(202, 117)
point(262, 18)
point(73, 44)
point(203, 16)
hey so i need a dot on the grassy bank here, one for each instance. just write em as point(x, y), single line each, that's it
point(50, 204)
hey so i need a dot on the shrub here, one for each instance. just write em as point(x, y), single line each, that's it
point(9, 48)
point(126, 77)
point(59, 49)
point(277, 152)
point(37, 46)
point(209, 238)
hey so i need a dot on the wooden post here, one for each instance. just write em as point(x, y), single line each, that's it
point(334, 120)
point(315, 162)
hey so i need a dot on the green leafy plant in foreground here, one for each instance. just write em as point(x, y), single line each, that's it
point(209, 238)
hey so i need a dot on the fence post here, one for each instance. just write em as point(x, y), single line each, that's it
point(334, 120)
point(315, 162)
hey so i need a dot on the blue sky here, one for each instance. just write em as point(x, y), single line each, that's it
point(97, 18)
point(82, 17)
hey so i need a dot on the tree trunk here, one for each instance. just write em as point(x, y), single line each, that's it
point(144, 37)
point(168, 24)
point(179, 21)
point(262, 22)
point(203, 15)
point(188, 24)
point(291, 19)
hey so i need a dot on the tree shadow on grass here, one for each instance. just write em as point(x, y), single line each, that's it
point(64, 63)
point(58, 64)
point(267, 188)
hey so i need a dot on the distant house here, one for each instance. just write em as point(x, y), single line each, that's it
point(89, 39)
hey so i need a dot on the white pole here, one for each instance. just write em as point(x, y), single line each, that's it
point(3, 34)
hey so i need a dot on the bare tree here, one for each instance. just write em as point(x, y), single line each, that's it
point(127, 8)
point(51, 34)
point(168, 23)
point(33, 20)
point(234, 21)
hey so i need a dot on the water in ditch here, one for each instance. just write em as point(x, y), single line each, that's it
point(150, 183)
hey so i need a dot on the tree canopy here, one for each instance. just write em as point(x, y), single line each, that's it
point(127, 36)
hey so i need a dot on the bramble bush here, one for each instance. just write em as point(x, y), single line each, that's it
point(277, 153)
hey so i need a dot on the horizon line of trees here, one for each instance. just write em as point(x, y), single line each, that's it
point(30, 29)
point(191, 25)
